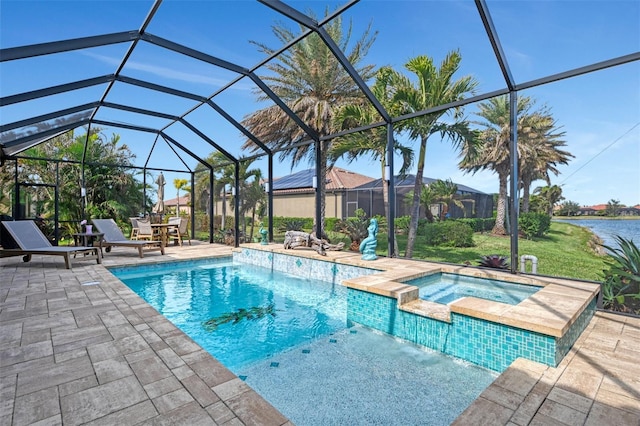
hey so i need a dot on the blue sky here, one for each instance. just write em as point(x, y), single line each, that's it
point(600, 112)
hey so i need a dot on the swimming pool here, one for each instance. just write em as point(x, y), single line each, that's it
point(445, 288)
point(239, 313)
point(304, 359)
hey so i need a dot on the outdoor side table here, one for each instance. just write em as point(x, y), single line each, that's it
point(88, 240)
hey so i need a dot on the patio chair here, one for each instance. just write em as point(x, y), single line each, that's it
point(134, 228)
point(145, 232)
point(113, 237)
point(180, 231)
point(30, 240)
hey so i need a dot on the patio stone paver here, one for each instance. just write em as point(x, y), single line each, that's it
point(37, 406)
point(98, 401)
point(78, 347)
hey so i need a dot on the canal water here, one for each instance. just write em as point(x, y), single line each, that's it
point(607, 229)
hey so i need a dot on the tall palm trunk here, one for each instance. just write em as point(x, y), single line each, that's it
point(526, 187)
point(501, 209)
point(322, 185)
point(415, 207)
point(253, 222)
point(224, 208)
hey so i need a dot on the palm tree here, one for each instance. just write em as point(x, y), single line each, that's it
point(249, 182)
point(613, 207)
point(180, 184)
point(112, 189)
point(494, 152)
point(372, 142)
point(542, 153)
point(253, 199)
point(223, 176)
point(313, 84)
point(427, 198)
point(446, 192)
point(435, 87)
point(552, 195)
point(536, 155)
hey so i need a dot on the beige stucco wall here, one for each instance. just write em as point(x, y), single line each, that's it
point(297, 205)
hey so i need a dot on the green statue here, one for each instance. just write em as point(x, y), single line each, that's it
point(369, 244)
point(264, 234)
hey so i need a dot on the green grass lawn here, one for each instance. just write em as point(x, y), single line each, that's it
point(564, 252)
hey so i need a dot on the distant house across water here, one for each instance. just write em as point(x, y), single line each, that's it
point(601, 209)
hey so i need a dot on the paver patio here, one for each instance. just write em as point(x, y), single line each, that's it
point(78, 347)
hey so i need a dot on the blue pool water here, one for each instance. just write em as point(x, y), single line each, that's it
point(281, 311)
point(304, 359)
point(446, 288)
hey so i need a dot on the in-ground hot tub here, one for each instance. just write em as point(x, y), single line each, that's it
point(446, 288)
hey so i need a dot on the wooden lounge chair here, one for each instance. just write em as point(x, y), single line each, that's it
point(32, 241)
point(113, 236)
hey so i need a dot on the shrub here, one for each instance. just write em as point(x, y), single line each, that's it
point(330, 222)
point(479, 224)
point(382, 223)
point(282, 223)
point(621, 285)
point(494, 261)
point(448, 234)
point(355, 228)
point(402, 223)
point(292, 224)
point(534, 224)
point(422, 226)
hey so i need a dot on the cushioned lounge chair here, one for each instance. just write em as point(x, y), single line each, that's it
point(31, 240)
point(113, 236)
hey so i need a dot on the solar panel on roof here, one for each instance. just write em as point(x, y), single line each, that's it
point(301, 179)
point(409, 180)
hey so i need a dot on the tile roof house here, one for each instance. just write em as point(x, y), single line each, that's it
point(600, 209)
point(346, 191)
point(369, 197)
point(185, 205)
point(294, 195)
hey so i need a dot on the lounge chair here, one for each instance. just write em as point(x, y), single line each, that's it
point(31, 240)
point(113, 236)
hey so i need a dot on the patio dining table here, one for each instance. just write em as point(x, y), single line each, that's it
point(163, 231)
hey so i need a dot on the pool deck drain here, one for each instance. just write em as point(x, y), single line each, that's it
point(98, 354)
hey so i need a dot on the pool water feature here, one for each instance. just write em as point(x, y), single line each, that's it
point(445, 288)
